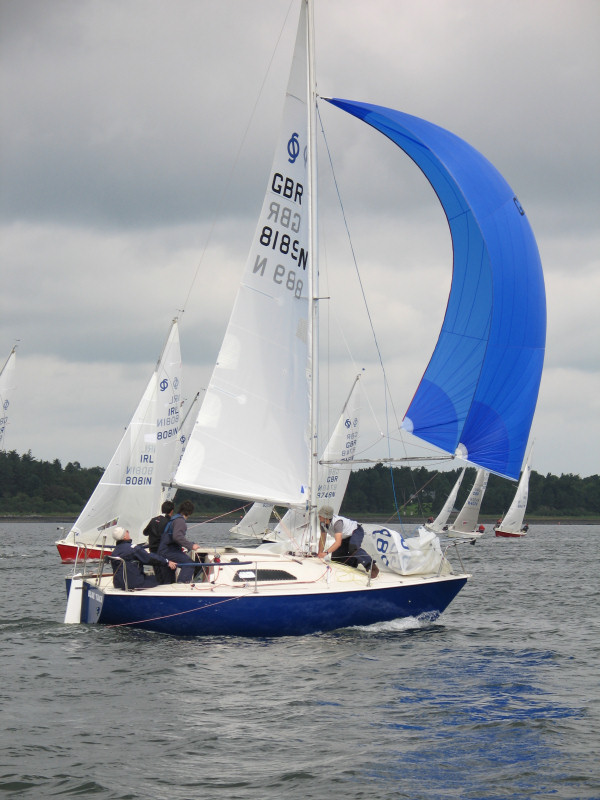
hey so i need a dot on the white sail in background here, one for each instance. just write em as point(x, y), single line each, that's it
point(333, 479)
point(254, 524)
point(442, 518)
point(513, 521)
point(251, 437)
point(186, 424)
point(466, 521)
point(7, 389)
point(129, 492)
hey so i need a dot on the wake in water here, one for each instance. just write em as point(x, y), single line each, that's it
point(399, 625)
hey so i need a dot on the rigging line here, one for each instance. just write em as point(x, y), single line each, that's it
point(227, 182)
point(360, 283)
point(224, 514)
point(333, 313)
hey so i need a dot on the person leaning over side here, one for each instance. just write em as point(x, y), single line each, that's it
point(128, 562)
point(348, 536)
point(173, 539)
point(154, 530)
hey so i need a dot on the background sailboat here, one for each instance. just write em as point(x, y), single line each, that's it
point(512, 524)
point(437, 525)
point(334, 474)
point(7, 389)
point(187, 418)
point(255, 523)
point(130, 490)
point(465, 524)
point(256, 435)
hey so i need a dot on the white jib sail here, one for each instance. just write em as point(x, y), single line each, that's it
point(251, 437)
point(442, 518)
point(466, 521)
point(7, 390)
point(129, 492)
point(513, 521)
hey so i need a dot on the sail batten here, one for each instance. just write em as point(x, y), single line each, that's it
point(494, 329)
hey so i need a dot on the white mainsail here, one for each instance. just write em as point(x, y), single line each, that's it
point(7, 389)
point(129, 492)
point(466, 521)
point(442, 518)
point(513, 521)
point(251, 439)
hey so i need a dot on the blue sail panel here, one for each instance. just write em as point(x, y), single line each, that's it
point(479, 391)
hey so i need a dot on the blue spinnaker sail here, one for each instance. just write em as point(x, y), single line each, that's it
point(479, 391)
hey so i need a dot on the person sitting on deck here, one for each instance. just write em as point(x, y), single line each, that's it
point(348, 536)
point(173, 540)
point(128, 562)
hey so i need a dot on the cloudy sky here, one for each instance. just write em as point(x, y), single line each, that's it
point(136, 138)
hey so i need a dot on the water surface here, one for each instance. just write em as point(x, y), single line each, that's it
point(499, 698)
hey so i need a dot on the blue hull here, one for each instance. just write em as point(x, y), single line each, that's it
point(263, 615)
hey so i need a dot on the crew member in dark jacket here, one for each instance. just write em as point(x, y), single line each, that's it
point(128, 563)
point(154, 530)
point(173, 540)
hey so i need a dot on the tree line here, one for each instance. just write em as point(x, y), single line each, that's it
point(32, 487)
point(421, 492)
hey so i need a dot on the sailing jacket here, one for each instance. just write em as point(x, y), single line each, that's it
point(154, 530)
point(173, 537)
point(126, 556)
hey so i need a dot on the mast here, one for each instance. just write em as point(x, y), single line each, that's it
point(313, 276)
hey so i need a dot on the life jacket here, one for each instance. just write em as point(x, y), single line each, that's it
point(167, 534)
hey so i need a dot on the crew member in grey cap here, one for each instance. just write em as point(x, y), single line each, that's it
point(348, 536)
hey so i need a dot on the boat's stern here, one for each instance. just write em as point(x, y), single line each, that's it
point(84, 600)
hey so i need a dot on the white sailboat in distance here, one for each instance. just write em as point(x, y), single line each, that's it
point(7, 390)
point(130, 490)
point(512, 525)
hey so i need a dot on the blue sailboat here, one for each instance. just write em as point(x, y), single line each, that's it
point(476, 399)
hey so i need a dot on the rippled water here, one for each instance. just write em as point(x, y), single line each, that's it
point(497, 699)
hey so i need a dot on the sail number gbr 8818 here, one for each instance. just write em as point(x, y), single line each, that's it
point(283, 221)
